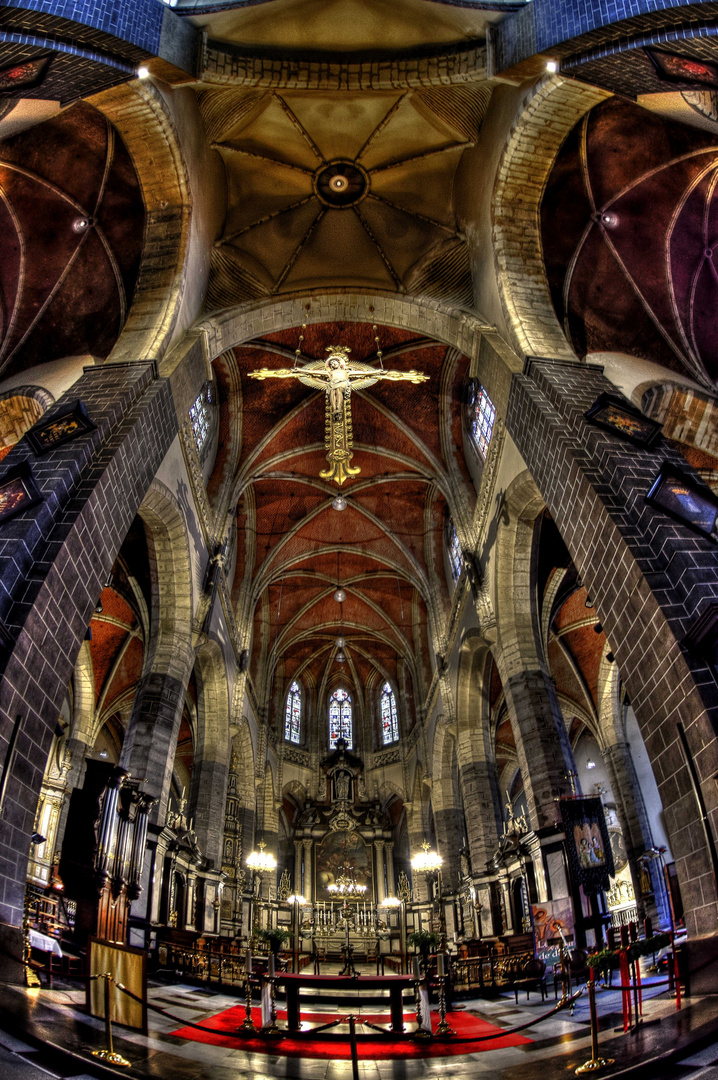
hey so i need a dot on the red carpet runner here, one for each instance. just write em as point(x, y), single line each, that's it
point(464, 1024)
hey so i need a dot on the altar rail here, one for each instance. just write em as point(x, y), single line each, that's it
point(221, 964)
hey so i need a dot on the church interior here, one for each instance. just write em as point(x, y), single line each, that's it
point(358, 504)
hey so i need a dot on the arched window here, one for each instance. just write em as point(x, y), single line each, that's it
point(480, 416)
point(389, 718)
point(293, 715)
point(340, 719)
point(454, 547)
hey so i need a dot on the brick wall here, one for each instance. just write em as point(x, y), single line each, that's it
point(648, 576)
point(53, 560)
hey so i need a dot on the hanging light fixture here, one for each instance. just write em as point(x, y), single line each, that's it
point(427, 861)
point(346, 884)
point(340, 657)
point(261, 861)
point(339, 595)
point(339, 503)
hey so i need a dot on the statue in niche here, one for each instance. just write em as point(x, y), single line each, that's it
point(361, 789)
point(342, 786)
point(465, 864)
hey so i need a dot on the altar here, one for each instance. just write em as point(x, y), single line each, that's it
point(349, 990)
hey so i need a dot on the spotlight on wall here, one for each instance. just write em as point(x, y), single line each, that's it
point(339, 503)
point(143, 72)
point(552, 66)
point(590, 764)
point(103, 754)
point(609, 220)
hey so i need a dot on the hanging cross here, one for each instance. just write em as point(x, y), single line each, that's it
point(337, 377)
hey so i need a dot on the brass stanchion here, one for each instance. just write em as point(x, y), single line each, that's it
point(108, 1054)
point(596, 1064)
point(353, 1047)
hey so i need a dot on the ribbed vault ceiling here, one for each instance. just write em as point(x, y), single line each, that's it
point(394, 229)
point(385, 548)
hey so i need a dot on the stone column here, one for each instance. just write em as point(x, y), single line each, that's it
point(298, 885)
point(389, 857)
point(208, 795)
point(379, 890)
point(308, 871)
point(650, 578)
point(481, 810)
point(151, 737)
point(542, 744)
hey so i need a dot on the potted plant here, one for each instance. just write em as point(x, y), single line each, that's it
point(275, 938)
point(423, 941)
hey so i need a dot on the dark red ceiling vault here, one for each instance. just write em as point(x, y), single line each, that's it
point(385, 548)
point(630, 237)
point(71, 235)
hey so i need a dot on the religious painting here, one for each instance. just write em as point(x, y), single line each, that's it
point(26, 75)
point(684, 69)
point(343, 849)
point(552, 919)
point(615, 415)
point(72, 422)
point(588, 844)
point(618, 848)
point(18, 491)
point(687, 500)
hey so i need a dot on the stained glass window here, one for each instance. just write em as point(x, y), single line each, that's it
point(455, 559)
point(389, 718)
point(340, 719)
point(293, 715)
point(199, 416)
point(481, 417)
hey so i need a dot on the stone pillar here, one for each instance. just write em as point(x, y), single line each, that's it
point(308, 871)
point(649, 577)
point(208, 795)
point(481, 811)
point(379, 890)
point(298, 884)
point(188, 915)
point(151, 737)
point(389, 858)
point(542, 744)
point(56, 559)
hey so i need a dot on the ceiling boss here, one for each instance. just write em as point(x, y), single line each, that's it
point(337, 376)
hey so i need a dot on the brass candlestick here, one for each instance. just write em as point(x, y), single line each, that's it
point(247, 1024)
point(443, 1029)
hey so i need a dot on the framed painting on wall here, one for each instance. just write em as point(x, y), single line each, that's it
point(686, 499)
point(72, 422)
point(18, 491)
point(616, 415)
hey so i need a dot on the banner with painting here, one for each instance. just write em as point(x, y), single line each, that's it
point(588, 844)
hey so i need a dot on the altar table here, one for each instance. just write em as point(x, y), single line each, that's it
point(346, 988)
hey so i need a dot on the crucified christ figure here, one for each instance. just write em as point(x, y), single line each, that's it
point(337, 376)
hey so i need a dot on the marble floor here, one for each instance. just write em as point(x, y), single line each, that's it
point(40, 1021)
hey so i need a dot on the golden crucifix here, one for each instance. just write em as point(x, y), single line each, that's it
point(337, 377)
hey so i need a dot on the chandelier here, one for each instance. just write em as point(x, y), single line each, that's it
point(346, 884)
point(426, 861)
point(261, 861)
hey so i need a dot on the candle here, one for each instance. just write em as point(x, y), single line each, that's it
point(249, 962)
point(271, 965)
point(417, 972)
point(440, 965)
